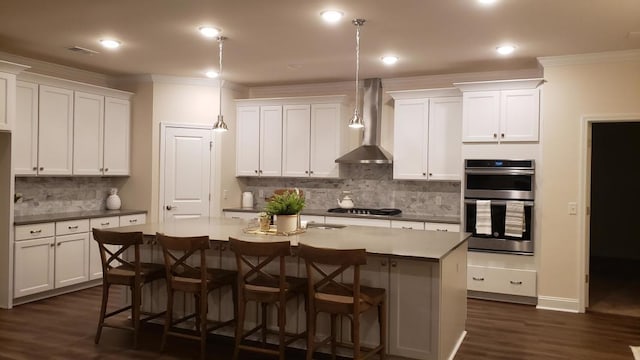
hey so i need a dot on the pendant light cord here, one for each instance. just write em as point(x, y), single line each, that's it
point(357, 61)
point(220, 41)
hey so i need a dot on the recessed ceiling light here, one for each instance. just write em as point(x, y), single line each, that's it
point(212, 74)
point(208, 31)
point(505, 49)
point(389, 60)
point(331, 16)
point(110, 43)
point(487, 2)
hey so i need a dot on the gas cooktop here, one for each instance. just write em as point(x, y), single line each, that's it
point(366, 211)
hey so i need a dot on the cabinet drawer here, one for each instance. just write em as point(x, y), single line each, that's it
point(34, 231)
point(513, 281)
point(357, 221)
point(105, 222)
point(72, 227)
point(409, 225)
point(240, 215)
point(312, 218)
point(476, 278)
point(135, 219)
point(442, 227)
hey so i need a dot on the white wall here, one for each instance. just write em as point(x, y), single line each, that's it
point(573, 90)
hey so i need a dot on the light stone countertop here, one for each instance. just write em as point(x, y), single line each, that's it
point(77, 215)
point(417, 244)
point(401, 217)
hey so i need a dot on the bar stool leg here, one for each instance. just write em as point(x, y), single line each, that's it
point(311, 332)
point(264, 322)
point(168, 319)
point(242, 305)
point(282, 311)
point(202, 316)
point(334, 318)
point(356, 336)
point(103, 310)
point(135, 312)
point(382, 320)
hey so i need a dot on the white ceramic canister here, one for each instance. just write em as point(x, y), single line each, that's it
point(113, 200)
point(247, 200)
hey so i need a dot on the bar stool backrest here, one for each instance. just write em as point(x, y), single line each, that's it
point(253, 257)
point(112, 258)
point(177, 251)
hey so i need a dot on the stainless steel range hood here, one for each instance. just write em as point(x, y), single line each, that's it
point(370, 152)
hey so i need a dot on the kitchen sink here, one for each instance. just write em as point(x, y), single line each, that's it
point(325, 226)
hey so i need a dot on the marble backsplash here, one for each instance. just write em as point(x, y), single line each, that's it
point(43, 195)
point(371, 186)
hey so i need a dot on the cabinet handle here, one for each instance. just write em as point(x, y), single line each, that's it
point(35, 231)
point(430, 174)
point(41, 168)
point(394, 264)
point(35, 168)
point(260, 171)
point(383, 263)
point(502, 135)
point(73, 227)
point(495, 135)
point(311, 172)
point(424, 174)
point(306, 171)
point(515, 282)
point(133, 220)
point(58, 244)
point(445, 230)
point(104, 224)
point(255, 171)
point(101, 169)
point(408, 227)
point(106, 169)
point(53, 245)
point(478, 278)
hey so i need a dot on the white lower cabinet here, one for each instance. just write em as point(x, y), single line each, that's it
point(442, 227)
point(33, 271)
point(71, 259)
point(501, 280)
point(357, 221)
point(95, 263)
point(240, 215)
point(407, 225)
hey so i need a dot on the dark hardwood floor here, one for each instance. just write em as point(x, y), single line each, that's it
point(63, 328)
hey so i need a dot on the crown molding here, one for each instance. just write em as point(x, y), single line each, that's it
point(424, 93)
point(447, 80)
point(591, 58)
point(73, 85)
point(299, 100)
point(179, 80)
point(279, 91)
point(512, 84)
point(12, 68)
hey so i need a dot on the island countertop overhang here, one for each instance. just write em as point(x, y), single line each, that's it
point(416, 244)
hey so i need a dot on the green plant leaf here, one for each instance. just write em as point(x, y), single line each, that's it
point(288, 203)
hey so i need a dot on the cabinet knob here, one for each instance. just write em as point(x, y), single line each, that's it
point(424, 174)
point(53, 245)
point(41, 168)
point(394, 264)
point(101, 169)
point(311, 172)
point(383, 263)
point(502, 135)
point(306, 171)
point(260, 171)
point(35, 168)
point(58, 244)
point(495, 135)
point(106, 169)
point(430, 174)
point(255, 171)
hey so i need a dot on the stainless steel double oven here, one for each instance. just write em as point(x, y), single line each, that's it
point(499, 181)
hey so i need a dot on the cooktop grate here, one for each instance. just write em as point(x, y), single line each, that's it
point(366, 211)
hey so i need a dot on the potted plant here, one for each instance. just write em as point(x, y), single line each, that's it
point(286, 207)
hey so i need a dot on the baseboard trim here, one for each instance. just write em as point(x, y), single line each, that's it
point(56, 292)
point(518, 299)
point(558, 304)
point(457, 346)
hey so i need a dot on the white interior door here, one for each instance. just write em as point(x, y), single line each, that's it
point(187, 159)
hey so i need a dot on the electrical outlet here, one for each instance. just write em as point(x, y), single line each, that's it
point(438, 200)
point(261, 194)
point(573, 208)
point(225, 194)
point(307, 195)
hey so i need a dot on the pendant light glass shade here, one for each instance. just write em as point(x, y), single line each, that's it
point(220, 125)
point(356, 120)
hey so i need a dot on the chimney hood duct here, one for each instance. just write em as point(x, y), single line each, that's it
point(370, 152)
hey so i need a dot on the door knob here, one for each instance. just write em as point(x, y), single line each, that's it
point(169, 207)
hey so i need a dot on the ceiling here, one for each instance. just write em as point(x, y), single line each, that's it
point(285, 41)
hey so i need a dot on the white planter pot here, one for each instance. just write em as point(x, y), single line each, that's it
point(286, 223)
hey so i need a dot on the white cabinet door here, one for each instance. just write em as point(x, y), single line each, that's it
point(72, 259)
point(296, 126)
point(407, 225)
point(7, 81)
point(241, 215)
point(248, 141)
point(413, 309)
point(357, 221)
point(326, 140)
point(117, 124)
point(445, 139)
point(410, 139)
point(88, 123)
point(95, 263)
point(270, 140)
point(442, 227)
point(134, 219)
point(520, 112)
point(480, 116)
point(33, 266)
point(55, 131)
point(25, 132)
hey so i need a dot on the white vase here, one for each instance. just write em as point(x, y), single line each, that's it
point(286, 223)
point(113, 200)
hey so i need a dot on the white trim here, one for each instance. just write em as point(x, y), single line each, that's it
point(317, 88)
point(179, 80)
point(590, 58)
point(73, 85)
point(293, 100)
point(163, 129)
point(12, 68)
point(424, 93)
point(446, 80)
point(456, 347)
point(512, 84)
point(558, 304)
point(583, 254)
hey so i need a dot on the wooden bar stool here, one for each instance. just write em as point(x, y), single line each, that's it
point(255, 284)
point(196, 280)
point(116, 270)
point(326, 294)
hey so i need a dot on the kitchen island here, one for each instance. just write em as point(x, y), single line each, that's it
point(424, 273)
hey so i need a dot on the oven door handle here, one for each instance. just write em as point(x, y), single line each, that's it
point(499, 172)
point(498, 202)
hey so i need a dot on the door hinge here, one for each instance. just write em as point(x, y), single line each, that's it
point(586, 278)
point(210, 145)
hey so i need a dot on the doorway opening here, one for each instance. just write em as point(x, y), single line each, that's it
point(614, 242)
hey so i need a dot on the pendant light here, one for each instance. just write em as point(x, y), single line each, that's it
point(220, 125)
point(356, 121)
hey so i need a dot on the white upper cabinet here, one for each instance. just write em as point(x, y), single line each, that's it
point(290, 137)
point(248, 141)
point(55, 131)
point(8, 73)
point(270, 140)
point(88, 125)
point(25, 133)
point(117, 139)
point(427, 139)
point(327, 142)
point(296, 129)
point(501, 111)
